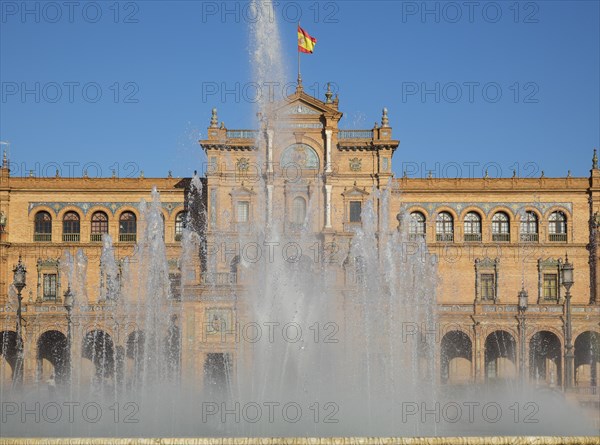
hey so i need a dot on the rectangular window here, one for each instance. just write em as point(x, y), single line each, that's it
point(488, 286)
point(243, 209)
point(355, 211)
point(175, 285)
point(50, 287)
point(550, 286)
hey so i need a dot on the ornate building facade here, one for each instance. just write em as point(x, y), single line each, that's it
point(492, 237)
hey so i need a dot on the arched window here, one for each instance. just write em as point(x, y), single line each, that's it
point(298, 210)
point(127, 227)
point(444, 227)
point(557, 227)
point(43, 227)
point(416, 228)
point(529, 227)
point(500, 227)
point(99, 226)
point(71, 226)
point(472, 226)
point(179, 225)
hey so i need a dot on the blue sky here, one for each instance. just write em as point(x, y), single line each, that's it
point(130, 86)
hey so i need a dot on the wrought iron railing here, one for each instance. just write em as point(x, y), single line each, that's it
point(127, 237)
point(416, 236)
point(529, 237)
point(70, 237)
point(42, 237)
point(218, 278)
point(444, 237)
point(472, 237)
point(501, 237)
point(355, 134)
point(558, 237)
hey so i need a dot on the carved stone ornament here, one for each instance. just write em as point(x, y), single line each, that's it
point(355, 164)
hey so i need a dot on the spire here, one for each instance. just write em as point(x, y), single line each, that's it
point(328, 94)
point(595, 160)
point(385, 122)
point(214, 120)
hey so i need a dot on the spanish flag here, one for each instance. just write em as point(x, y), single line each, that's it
point(306, 43)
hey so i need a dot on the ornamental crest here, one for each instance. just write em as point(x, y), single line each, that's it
point(300, 155)
point(355, 164)
point(243, 164)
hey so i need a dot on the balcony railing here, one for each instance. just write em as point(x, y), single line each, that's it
point(444, 237)
point(529, 237)
point(472, 237)
point(416, 236)
point(96, 237)
point(42, 237)
point(501, 237)
point(178, 236)
point(242, 134)
point(70, 237)
point(355, 134)
point(127, 237)
point(558, 237)
point(218, 278)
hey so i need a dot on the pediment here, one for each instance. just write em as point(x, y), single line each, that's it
point(354, 192)
point(242, 191)
point(304, 105)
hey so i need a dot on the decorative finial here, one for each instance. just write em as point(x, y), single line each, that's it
point(85, 173)
point(404, 175)
point(4, 159)
point(214, 120)
point(142, 174)
point(328, 94)
point(31, 173)
point(487, 176)
point(385, 122)
point(114, 173)
point(57, 173)
point(543, 175)
point(170, 174)
point(222, 127)
point(514, 173)
point(336, 100)
point(595, 160)
point(299, 87)
point(429, 174)
point(569, 174)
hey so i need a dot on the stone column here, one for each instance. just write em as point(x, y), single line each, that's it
point(328, 134)
point(269, 204)
point(270, 134)
point(328, 188)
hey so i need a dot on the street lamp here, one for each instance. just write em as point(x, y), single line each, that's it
point(68, 303)
point(19, 282)
point(567, 281)
point(522, 307)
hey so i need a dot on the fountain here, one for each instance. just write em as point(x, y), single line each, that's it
point(300, 357)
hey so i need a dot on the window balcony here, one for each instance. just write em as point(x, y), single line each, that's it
point(472, 237)
point(444, 237)
point(178, 236)
point(42, 237)
point(416, 236)
point(501, 237)
point(558, 238)
point(127, 237)
point(529, 237)
point(70, 237)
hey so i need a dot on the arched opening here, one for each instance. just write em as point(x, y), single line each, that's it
point(501, 227)
point(587, 359)
point(529, 227)
point(42, 227)
point(179, 225)
point(98, 347)
point(71, 227)
point(456, 356)
point(500, 356)
point(544, 359)
point(134, 352)
point(417, 227)
point(472, 227)
point(127, 227)
point(99, 226)
point(8, 358)
point(217, 374)
point(444, 227)
point(557, 226)
point(298, 211)
point(53, 357)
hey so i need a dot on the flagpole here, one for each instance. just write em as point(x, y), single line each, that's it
point(298, 49)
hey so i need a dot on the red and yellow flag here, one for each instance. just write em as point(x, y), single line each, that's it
point(306, 43)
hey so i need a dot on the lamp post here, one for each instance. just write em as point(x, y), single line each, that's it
point(68, 303)
point(19, 282)
point(522, 307)
point(567, 281)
